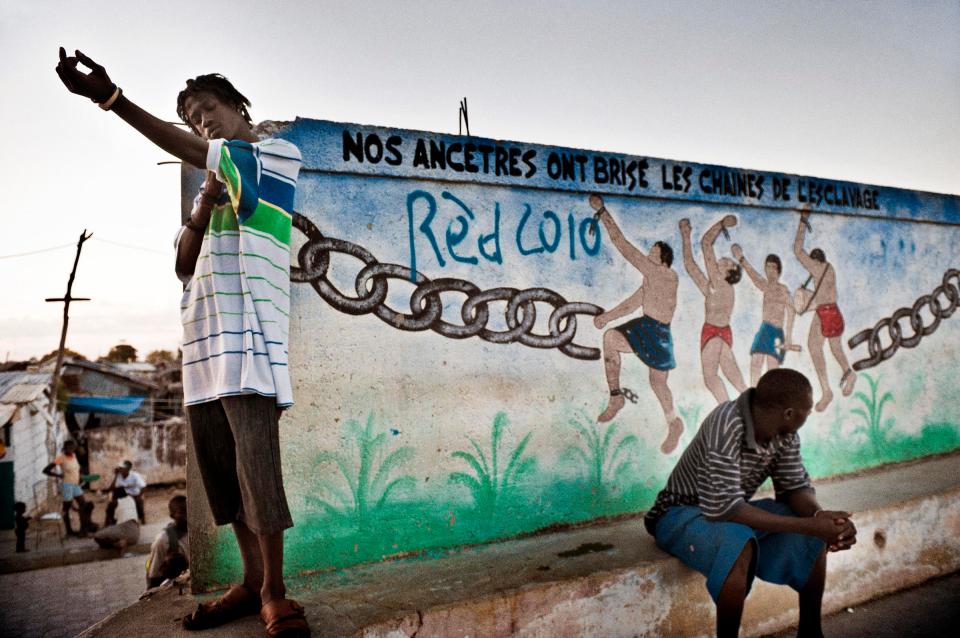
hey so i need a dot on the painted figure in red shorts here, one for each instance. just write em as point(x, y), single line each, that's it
point(716, 338)
point(827, 324)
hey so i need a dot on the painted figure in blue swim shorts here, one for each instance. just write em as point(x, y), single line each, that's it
point(771, 342)
point(647, 336)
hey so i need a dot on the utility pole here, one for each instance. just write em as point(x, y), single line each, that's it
point(63, 332)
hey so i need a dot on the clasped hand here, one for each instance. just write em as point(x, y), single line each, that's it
point(836, 529)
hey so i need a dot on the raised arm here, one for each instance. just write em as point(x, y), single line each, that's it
point(706, 245)
point(630, 252)
point(755, 277)
point(805, 259)
point(98, 87)
point(688, 263)
point(791, 315)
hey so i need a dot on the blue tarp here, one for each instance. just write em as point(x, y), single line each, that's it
point(105, 405)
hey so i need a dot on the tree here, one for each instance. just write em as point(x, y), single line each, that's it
point(160, 356)
point(67, 352)
point(121, 353)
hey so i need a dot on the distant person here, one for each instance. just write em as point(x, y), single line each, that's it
point(123, 534)
point(126, 482)
point(69, 477)
point(170, 551)
point(21, 522)
point(704, 515)
point(236, 380)
point(716, 337)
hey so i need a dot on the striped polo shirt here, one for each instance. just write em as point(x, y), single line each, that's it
point(235, 309)
point(725, 465)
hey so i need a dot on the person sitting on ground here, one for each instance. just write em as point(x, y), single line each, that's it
point(69, 476)
point(171, 547)
point(704, 516)
point(21, 523)
point(126, 482)
point(124, 534)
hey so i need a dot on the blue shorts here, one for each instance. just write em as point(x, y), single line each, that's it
point(651, 341)
point(70, 491)
point(765, 342)
point(712, 547)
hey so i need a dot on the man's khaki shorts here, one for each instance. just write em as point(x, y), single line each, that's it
point(237, 445)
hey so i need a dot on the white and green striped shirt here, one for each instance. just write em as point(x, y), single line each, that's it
point(725, 465)
point(235, 309)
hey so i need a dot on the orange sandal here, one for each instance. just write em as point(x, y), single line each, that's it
point(239, 601)
point(284, 618)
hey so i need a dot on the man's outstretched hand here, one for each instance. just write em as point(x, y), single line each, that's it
point(95, 85)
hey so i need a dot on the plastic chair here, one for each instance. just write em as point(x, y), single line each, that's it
point(48, 505)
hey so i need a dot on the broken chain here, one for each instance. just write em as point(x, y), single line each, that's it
point(942, 302)
point(426, 307)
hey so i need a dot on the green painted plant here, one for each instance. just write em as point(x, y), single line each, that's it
point(874, 427)
point(366, 466)
point(487, 484)
point(602, 460)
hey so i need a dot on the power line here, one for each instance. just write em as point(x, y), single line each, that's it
point(98, 239)
point(37, 252)
point(132, 247)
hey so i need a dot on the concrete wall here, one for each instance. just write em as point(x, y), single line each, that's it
point(28, 435)
point(157, 450)
point(409, 435)
point(29, 450)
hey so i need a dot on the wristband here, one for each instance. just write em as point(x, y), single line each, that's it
point(814, 515)
point(106, 104)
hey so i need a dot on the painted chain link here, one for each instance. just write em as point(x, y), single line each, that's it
point(425, 304)
point(942, 303)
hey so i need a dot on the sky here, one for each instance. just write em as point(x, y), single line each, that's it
point(861, 91)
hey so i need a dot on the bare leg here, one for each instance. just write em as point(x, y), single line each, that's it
point(815, 344)
point(250, 555)
point(658, 383)
point(849, 379)
point(811, 597)
point(271, 549)
point(732, 595)
point(614, 344)
point(66, 517)
point(710, 360)
point(772, 362)
point(756, 367)
point(730, 368)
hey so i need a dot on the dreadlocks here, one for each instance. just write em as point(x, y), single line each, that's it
point(220, 87)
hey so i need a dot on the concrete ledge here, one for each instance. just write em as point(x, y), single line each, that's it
point(607, 579)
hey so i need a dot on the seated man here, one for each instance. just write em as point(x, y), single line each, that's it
point(703, 516)
point(121, 535)
point(126, 482)
point(171, 547)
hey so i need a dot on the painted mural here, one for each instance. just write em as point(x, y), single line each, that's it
point(491, 338)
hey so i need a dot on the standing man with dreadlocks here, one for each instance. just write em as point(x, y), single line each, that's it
point(234, 257)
